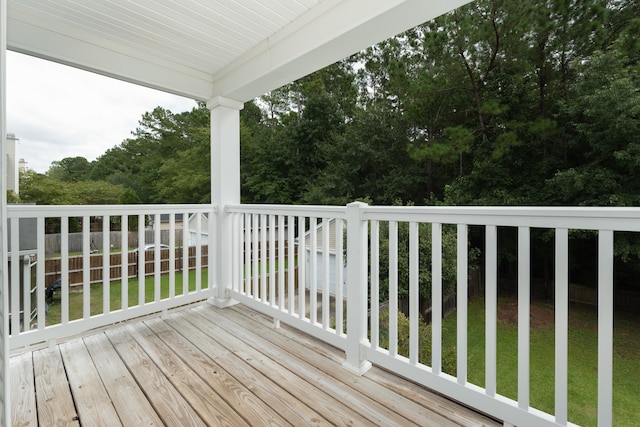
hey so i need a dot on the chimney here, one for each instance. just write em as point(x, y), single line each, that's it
point(11, 164)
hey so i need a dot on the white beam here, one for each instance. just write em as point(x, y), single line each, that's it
point(339, 29)
point(332, 30)
point(30, 35)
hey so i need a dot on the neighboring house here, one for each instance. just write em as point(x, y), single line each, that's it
point(320, 253)
point(194, 230)
point(164, 222)
point(11, 164)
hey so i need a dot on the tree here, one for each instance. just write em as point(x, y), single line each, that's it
point(605, 140)
point(69, 169)
point(42, 190)
point(138, 162)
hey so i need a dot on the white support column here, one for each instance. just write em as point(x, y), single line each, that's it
point(356, 290)
point(225, 189)
point(5, 381)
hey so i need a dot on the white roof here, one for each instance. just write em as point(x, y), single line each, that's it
point(239, 49)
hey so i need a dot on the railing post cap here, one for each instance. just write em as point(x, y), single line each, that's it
point(357, 205)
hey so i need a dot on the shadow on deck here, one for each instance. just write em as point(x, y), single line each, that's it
point(208, 366)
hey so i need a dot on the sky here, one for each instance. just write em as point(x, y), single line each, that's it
point(58, 111)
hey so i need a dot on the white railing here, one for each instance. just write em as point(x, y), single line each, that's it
point(286, 230)
point(289, 262)
point(286, 262)
point(166, 277)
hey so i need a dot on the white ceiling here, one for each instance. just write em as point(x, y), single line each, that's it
point(239, 49)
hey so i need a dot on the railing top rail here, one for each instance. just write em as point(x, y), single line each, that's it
point(596, 218)
point(33, 211)
point(591, 218)
point(339, 212)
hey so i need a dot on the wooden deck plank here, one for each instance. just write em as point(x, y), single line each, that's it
point(309, 392)
point(412, 399)
point(53, 395)
point(92, 400)
point(208, 366)
point(163, 396)
point(252, 409)
point(206, 402)
point(388, 380)
point(126, 396)
point(23, 411)
point(361, 384)
point(438, 403)
point(295, 357)
point(239, 397)
point(271, 393)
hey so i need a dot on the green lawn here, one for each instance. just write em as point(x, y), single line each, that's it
point(583, 346)
point(582, 375)
point(96, 295)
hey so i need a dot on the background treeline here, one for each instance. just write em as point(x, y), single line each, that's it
point(501, 102)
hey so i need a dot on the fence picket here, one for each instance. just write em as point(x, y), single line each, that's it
point(562, 322)
point(524, 301)
point(393, 288)
point(301, 270)
point(64, 270)
point(375, 283)
point(605, 327)
point(124, 264)
point(463, 281)
point(413, 292)
point(491, 308)
point(313, 270)
point(106, 267)
point(291, 289)
point(14, 294)
point(86, 268)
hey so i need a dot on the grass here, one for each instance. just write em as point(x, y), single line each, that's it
point(583, 361)
point(583, 345)
point(115, 294)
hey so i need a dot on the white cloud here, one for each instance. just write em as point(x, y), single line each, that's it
point(58, 111)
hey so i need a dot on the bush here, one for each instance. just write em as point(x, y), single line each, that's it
point(424, 341)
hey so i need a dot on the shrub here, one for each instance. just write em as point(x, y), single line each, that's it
point(424, 341)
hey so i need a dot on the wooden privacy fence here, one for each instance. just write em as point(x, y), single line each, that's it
point(53, 241)
point(53, 266)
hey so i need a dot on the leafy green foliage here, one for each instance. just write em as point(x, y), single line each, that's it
point(166, 161)
point(449, 252)
point(42, 190)
point(424, 341)
point(70, 169)
point(497, 103)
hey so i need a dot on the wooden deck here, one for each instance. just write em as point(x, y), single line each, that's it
point(210, 366)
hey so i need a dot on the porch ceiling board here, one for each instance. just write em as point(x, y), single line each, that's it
point(203, 48)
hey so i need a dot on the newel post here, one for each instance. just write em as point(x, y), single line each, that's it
point(225, 190)
point(357, 287)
